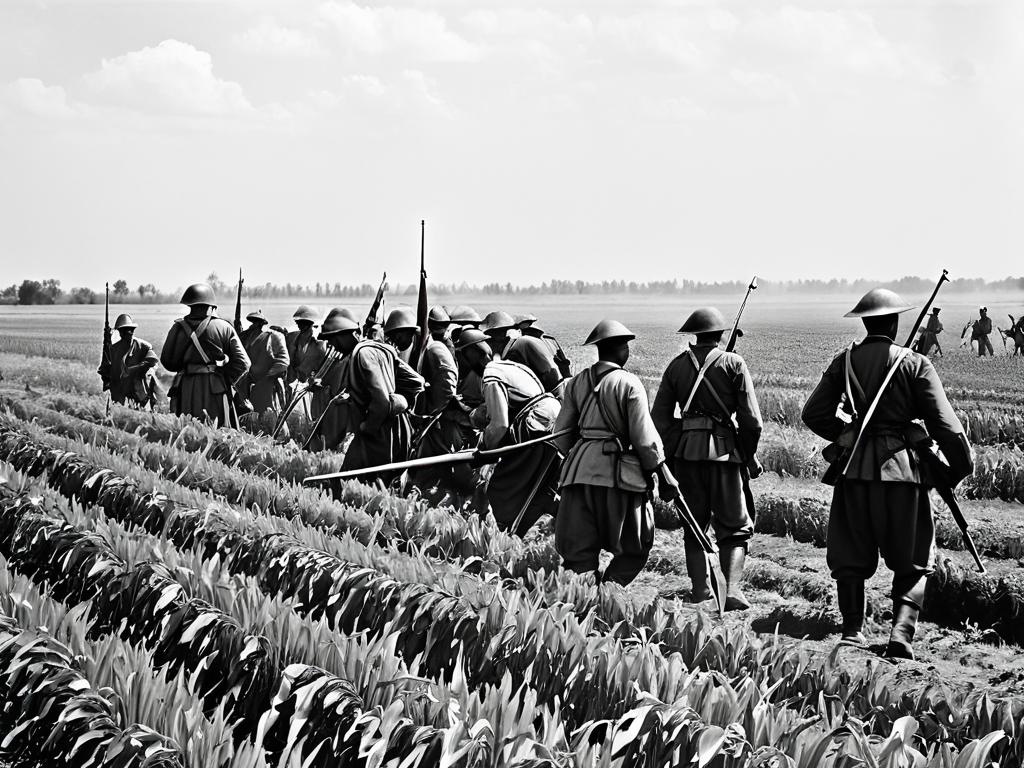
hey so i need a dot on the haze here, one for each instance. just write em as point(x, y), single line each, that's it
point(160, 141)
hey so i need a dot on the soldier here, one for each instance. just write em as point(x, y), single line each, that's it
point(880, 502)
point(613, 451)
point(263, 385)
point(130, 371)
point(930, 335)
point(381, 392)
point(305, 352)
point(526, 324)
point(981, 331)
point(516, 408)
point(327, 383)
point(712, 447)
point(438, 322)
point(207, 357)
point(529, 351)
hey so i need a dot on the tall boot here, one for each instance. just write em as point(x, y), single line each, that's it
point(733, 557)
point(850, 595)
point(697, 570)
point(907, 599)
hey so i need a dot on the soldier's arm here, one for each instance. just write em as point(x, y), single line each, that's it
point(496, 403)
point(568, 418)
point(408, 383)
point(279, 354)
point(940, 418)
point(748, 413)
point(819, 413)
point(170, 355)
point(664, 402)
point(447, 378)
point(540, 359)
point(642, 432)
point(238, 361)
point(146, 359)
point(370, 363)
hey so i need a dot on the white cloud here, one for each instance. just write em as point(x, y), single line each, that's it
point(405, 32)
point(172, 78)
point(765, 87)
point(33, 96)
point(270, 38)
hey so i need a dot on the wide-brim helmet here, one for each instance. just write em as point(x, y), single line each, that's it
point(878, 302)
point(256, 316)
point(704, 320)
point(463, 315)
point(609, 329)
point(124, 321)
point(497, 321)
point(438, 316)
point(338, 321)
point(199, 293)
point(305, 312)
point(469, 337)
point(401, 318)
point(525, 320)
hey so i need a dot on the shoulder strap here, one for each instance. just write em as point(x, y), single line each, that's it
point(593, 395)
point(195, 334)
point(702, 370)
point(874, 403)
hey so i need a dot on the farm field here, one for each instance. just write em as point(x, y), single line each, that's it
point(183, 601)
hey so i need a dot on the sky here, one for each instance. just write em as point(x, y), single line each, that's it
point(304, 140)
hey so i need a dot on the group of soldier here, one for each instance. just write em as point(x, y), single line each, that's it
point(595, 450)
point(980, 330)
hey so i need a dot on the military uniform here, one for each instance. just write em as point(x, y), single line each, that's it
point(980, 333)
point(207, 357)
point(930, 336)
point(444, 416)
point(129, 373)
point(517, 408)
point(881, 503)
point(382, 390)
point(305, 354)
point(613, 449)
point(526, 350)
point(263, 385)
point(710, 447)
point(558, 356)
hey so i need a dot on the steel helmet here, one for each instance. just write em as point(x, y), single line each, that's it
point(400, 319)
point(877, 302)
point(470, 337)
point(497, 321)
point(935, 310)
point(438, 316)
point(344, 312)
point(305, 312)
point(527, 319)
point(124, 321)
point(338, 321)
point(609, 329)
point(704, 320)
point(464, 315)
point(199, 293)
point(256, 317)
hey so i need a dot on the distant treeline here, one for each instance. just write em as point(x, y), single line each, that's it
point(50, 292)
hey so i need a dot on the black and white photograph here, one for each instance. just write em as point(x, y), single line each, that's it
point(512, 384)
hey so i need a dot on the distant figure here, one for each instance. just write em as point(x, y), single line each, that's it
point(880, 502)
point(267, 349)
point(712, 447)
point(930, 335)
point(980, 332)
point(1016, 334)
point(130, 371)
point(207, 357)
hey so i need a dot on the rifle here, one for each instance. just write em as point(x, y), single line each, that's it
point(302, 390)
point(422, 310)
point(238, 304)
point(469, 456)
point(340, 397)
point(718, 584)
point(104, 369)
point(736, 332)
point(371, 316)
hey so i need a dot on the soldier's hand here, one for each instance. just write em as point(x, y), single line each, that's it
point(315, 385)
point(754, 468)
point(668, 488)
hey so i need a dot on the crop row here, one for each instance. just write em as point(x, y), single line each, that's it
point(806, 678)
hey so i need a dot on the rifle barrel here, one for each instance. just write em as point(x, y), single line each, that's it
point(924, 310)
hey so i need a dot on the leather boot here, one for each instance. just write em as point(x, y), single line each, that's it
point(733, 557)
point(850, 596)
point(697, 570)
point(904, 622)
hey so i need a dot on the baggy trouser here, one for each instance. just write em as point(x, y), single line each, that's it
point(716, 494)
point(984, 346)
point(593, 517)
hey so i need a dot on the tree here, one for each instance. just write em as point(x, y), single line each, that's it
point(29, 291)
point(83, 296)
point(51, 290)
point(120, 288)
point(142, 291)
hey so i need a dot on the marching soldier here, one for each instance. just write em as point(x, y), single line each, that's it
point(516, 408)
point(712, 447)
point(327, 383)
point(381, 391)
point(438, 322)
point(263, 384)
point(400, 331)
point(130, 371)
point(613, 450)
point(880, 502)
point(981, 331)
point(305, 352)
point(527, 350)
point(930, 335)
point(527, 327)
point(207, 357)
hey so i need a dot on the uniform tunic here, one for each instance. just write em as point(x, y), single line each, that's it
point(980, 333)
point(930, 336)
point(603, 507)
point(516, 408)
point(882, 503)
point(305, 354)
point(204, 389)
point(710, 446)
point(558, 355)
point(131, 371)
point(535, 355)
point(382, 390)
point(268, 358)
point(444, 434)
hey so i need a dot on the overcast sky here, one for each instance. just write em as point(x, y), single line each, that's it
point(157, 140)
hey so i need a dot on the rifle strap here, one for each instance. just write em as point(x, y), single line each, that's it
point(195, 334)
point(904, 351)
point(852, 381)
point(713, 357)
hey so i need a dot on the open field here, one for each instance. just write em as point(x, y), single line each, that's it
point(178, 585)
